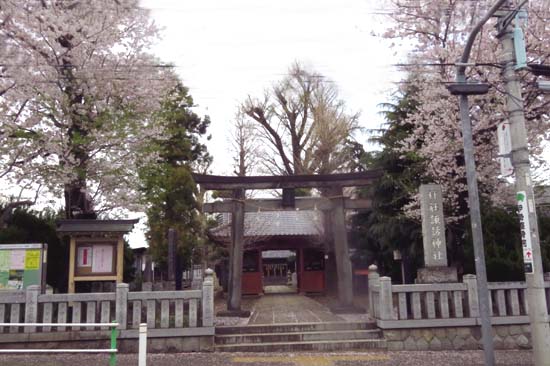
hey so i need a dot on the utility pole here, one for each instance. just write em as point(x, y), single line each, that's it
point(538, 314)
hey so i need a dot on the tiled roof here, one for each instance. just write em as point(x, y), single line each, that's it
point(95, 226)
point(274, 223)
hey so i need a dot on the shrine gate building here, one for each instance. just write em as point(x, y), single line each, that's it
point(280, 248)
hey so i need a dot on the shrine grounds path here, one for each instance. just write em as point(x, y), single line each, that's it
point(290, 308)
point(403, 358)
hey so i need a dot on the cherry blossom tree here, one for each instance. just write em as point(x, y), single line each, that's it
point(437, 31)
point(77, 87)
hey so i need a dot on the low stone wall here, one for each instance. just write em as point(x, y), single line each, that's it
point(158, 340)
point(456, 338)
point(171, 345)
point(154, 345)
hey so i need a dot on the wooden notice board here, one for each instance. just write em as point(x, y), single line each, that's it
point(95, 259)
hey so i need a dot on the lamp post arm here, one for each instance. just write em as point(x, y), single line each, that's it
point(461, 68)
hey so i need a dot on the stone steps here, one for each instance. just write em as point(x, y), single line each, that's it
point(294, 327)
point(298, 336)
point(361, 344)
point(330, 336)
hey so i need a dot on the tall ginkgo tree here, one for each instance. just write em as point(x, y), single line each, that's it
point(77, 87)
point(303, 124)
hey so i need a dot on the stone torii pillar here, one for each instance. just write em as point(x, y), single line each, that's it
point(236, 254)
point(341, 253)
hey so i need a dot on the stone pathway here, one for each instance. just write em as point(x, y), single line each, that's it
point(290, 308)
point(279, 289)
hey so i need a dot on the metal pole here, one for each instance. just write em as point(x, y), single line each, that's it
point(538, 314)
point(477, 233)
point(142, 352)
point(473, 195)
point(112, 358)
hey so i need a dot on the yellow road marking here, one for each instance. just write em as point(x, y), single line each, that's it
point(299, 360)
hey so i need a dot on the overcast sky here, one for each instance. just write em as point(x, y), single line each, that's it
point(225, 50)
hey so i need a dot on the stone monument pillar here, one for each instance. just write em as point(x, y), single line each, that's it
point(436, 268)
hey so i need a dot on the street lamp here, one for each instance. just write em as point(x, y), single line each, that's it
point(463, 89)
point(544, 86)
point(468, 88)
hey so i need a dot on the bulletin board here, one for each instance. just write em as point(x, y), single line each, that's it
point(22, 265)
point(96, 258)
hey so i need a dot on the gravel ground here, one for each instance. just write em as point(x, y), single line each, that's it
point(463, 358)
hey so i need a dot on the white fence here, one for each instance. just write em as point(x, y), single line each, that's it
point(445, 304)
point(167, 313)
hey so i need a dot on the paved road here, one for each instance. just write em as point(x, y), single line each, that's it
point(463, 358)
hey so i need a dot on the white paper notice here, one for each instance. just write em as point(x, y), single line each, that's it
point(102, 259)
point(17, 259)
point(84, 257)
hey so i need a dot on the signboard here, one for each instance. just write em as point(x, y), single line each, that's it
point(525, 227)
point(433, 226)
point(103, 259)
point(22, 265)
point(96, 258)
point(84, 256)
point(505, 149)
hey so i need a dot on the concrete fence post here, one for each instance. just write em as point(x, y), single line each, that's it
point(373, 281)
point(386, 299)
point(473, 302)
point(122, 304)
point(208, 299)
point(142, 349)
point(31, 306)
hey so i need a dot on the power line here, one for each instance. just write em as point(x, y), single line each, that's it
point(126, 68)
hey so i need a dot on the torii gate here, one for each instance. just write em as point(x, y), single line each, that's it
point(336, 204)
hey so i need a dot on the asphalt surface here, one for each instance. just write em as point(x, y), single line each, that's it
point(419, 358)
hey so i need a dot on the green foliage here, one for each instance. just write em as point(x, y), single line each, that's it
point(544, 234)
point(168, 188)
point(501, 239)
point(128, 273)
point(385, 228)
point(502, 242)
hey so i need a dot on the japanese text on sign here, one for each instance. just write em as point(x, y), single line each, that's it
point(525, 227)
point(433, 226)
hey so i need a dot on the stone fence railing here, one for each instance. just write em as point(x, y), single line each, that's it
point(445, 304)
point(167, 313)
